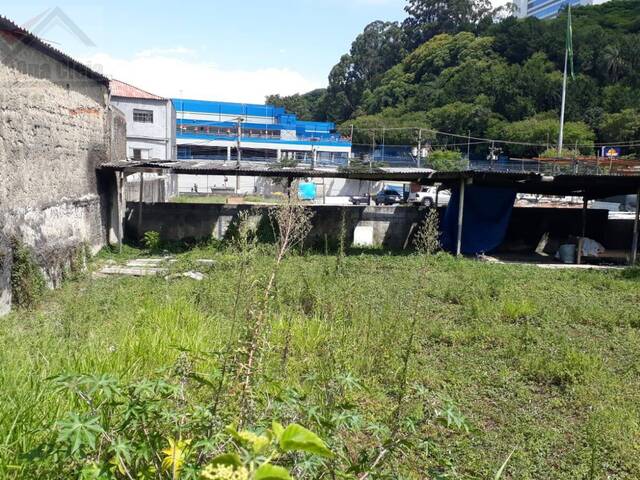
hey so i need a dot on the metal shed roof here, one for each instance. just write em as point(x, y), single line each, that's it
point(10, 30)
point(592, 186)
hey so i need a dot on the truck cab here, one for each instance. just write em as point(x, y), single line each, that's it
point(426, 195)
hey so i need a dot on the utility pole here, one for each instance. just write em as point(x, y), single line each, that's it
point(351, 140)
point(239, 151)
point(373, 149)
point(419, 147)
point(492, 154)
point(469, 148)
point(383, 132)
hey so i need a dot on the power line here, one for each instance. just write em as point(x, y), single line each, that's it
point(623, 143)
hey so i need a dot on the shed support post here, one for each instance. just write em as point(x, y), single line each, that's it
point(289, 182)
point(140, 198)
point(120, 207)
point(636, 226)
point(460, 217)
point(324, 192)
point(583, 234)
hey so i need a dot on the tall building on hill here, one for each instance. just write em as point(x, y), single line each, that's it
point(548, 8)
point(214, 131)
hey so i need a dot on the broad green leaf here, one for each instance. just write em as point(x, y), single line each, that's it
point(277, 429)
point(78, 432)
point(233, 431)
point(271, 472)
point(231, 459)
point(297, 438)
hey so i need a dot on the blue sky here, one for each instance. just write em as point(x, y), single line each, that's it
point(220, 49)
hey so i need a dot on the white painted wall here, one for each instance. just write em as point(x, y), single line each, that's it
point(158, 139)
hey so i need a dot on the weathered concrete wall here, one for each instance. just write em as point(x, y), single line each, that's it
point(155, 188)
point(55, 129)
point(393, 227)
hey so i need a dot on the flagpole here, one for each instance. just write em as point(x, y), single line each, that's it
point(564, 101)
point(568, 50)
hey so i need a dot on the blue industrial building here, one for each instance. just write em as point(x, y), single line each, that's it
point(214, 131)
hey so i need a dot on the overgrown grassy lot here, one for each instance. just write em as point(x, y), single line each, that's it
point(407, 366)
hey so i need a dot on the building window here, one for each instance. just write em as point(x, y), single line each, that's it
point(142, 116)
point(141, 153)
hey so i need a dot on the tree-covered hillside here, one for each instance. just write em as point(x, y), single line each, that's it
point(463, 68)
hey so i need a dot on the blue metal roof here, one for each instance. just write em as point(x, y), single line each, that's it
point(226, 108)
point(277, 115)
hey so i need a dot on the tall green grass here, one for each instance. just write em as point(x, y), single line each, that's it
point(484, 360)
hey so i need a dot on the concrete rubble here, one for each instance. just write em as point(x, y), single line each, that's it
point(144, 267)
point(190, 274)
point(140, 267)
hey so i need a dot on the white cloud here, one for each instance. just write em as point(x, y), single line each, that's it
point(180, 72)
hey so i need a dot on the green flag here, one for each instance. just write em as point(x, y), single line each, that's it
point(570, 42)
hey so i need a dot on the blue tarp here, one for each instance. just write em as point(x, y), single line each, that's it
point(307, 191)
point(487, 212)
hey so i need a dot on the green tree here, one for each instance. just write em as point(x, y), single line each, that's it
point(461, 118)
point(378, 48)
point(394, 90)
point(308, 106)
point(428, 18)
point(540, 132)
point(621, 127)
point(445, 160)
point(400, 128)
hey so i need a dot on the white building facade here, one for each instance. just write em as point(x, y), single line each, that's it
point(151, 122)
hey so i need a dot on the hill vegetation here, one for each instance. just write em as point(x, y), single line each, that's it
point(487, 74)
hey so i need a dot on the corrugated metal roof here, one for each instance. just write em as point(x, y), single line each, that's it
point(122, 89)
point(592, 186)
point(13, 32)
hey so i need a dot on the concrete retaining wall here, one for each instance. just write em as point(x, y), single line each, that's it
point(393, 227)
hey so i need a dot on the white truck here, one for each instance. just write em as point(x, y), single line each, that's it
point(426, 196)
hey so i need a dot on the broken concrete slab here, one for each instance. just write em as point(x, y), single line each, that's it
point(204, 261)
point(132, 271)
point(190, 274)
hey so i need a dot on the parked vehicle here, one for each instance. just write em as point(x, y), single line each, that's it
point(426, 196)
point(620, 203)
point(388, 196)
point(364, 199)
